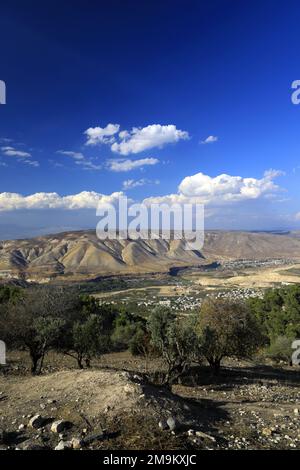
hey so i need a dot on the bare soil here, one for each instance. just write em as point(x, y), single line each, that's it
point(249, 406)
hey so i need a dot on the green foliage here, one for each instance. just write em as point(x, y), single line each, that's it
point(36, 321)
point(88, 331)
point(89, 339)
point(280, 349)
point(9, 294)
point(131, 333)
point(227, 329)
point(279, 312)
point(175, 341)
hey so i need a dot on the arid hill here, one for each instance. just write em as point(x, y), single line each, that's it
point(83, 254)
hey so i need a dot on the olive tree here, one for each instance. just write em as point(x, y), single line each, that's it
point(36, 321)
point(226, 329)
point(174, 339)
point(88, 332)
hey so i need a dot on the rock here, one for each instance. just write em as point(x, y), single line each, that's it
point(21, 427)
point(64, 445)
point(128, 389)
point(163, 425)
point(203, 435)
point(191, 432)
point(296, 411)
point(60, 426)
point(172, 424)
point(266, 432)
point(76, 443)
point(36, 422)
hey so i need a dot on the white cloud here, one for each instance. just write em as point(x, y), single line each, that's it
point(124, 134)
point(128, 165)
point(83, 200)
point(13, 152)
point(297, 216)
point(131, 183)
point(101, 135)
point(80, 160)
point(74, 155)
point(210, 139)
point(33, 163)
point(225, 188)
point(140, 139)
point(222, 189)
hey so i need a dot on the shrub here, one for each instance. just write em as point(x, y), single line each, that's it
point(280, 349)
point(225, 329)
point(131, 333)
point(278, 312)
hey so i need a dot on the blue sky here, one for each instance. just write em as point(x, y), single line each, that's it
point(172, 74)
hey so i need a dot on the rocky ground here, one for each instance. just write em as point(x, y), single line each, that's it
point(113, 406)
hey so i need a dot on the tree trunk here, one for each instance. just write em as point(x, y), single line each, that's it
point(79, 362)
point(34, 363)
point(215, 365)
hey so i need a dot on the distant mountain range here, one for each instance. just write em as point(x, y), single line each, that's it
point(82, 254)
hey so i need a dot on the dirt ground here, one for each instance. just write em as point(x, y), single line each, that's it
point(249, 406)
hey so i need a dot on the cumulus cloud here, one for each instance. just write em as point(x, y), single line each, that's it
point(137, 139)
point(222, 189)
point(140, 139)
point(83, 200)
point(210, 139)
point(128, 165)
point(131, 183)
point(101, 135)
point(13, 152)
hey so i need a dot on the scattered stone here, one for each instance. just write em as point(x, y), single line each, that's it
point(60, 425)
point(203, 435)
point(76, 443)
point(36, 422)
point(172, 424)
point(296, 411)
point(163, 425)
point(266, 432)
point(50, 401)
point(64, 445)
point(21, 427)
